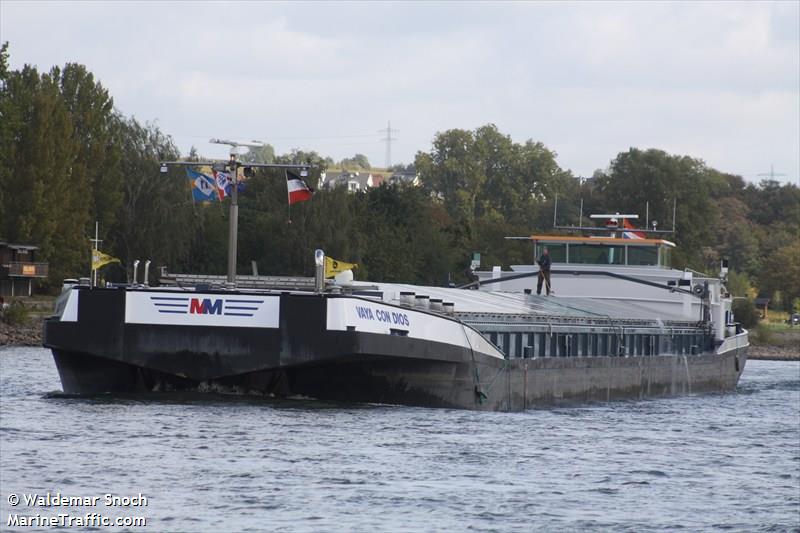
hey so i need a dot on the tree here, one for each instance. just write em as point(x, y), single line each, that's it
point(637, 177)
point(781, 273)
point(358, 161)
point(490, 186)
point(261, 154)
point(156, 220)
point(47, 203)
point(96, 131)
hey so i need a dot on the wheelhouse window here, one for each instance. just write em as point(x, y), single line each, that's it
point(665, 256)
point(643, 255)
point(596, 254)
point(587, 252)
point(558, 252)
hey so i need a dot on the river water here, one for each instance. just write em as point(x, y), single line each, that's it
point(721, 461)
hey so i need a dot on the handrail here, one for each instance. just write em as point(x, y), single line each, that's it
point(581, 273)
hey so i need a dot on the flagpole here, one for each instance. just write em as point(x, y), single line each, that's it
point(96, 243)
point(233, 218)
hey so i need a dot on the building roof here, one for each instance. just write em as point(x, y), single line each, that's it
point(361, 178)
point(18, 247)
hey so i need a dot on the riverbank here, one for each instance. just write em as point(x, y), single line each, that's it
point(774, 343)
point(774, 353)
point(26, 334)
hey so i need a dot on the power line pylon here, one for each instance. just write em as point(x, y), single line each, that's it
point(388, 140)
point(771, 174)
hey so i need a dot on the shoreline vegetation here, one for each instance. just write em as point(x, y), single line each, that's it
point(783, 346)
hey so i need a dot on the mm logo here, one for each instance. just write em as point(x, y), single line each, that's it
point(206, 306)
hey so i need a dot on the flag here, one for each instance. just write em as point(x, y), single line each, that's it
point(223, 182)
point(631, 234)
point(203, 187)
point(333, 267)
point(99, 259)
point(299, 191)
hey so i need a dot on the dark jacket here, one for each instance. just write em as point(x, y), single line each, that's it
point(544, 263)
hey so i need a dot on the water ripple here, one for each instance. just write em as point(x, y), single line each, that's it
point(214, 463)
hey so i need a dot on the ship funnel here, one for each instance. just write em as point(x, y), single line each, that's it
point(146, 280)
point(407, 298)
point(436, 305)
point(135, 268)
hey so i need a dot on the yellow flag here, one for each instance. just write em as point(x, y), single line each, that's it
point(333, 267)
point(100, 259)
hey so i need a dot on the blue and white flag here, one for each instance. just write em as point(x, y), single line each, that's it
point(203, 187)
point(223, 184)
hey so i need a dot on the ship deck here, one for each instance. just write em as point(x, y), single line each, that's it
point(474, 306)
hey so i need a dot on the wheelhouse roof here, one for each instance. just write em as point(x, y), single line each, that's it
point(601, 240)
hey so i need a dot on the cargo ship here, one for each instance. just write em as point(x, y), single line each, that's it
point(620, 323)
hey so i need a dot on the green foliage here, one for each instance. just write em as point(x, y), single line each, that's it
point(762, 335)
point(15, 313)
point(739, 285)
point(263, 154)
point(637, 177)
point(745, 312)
point(68, 159)
point(156, 218)
point(39, 158)
point(780, 277)
point(490, 186)
point(358, 161)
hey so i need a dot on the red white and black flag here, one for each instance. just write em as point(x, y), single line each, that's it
point(299, 191)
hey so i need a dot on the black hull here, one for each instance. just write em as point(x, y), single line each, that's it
point(518, 385)
point(101, 353)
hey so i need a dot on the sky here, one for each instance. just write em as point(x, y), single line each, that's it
point(719, 81)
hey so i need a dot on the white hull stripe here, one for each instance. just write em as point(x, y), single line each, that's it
point(373, 317)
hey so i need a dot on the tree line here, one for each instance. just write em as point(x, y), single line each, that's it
point(69, 158)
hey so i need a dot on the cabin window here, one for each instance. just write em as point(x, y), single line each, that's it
point(558, 252)
point(665, 256)
point(596, 254)
point(642, 255)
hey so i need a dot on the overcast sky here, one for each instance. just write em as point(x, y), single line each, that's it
point(719, 81)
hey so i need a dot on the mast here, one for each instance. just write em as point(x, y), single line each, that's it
point(232, 167)
point(233, 211)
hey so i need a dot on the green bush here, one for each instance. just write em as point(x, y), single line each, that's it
point(15, 314)
point(745, 313)
point(762, 335)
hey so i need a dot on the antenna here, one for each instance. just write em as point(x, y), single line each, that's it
point(388, 139)
point(674, 209)
point(555, 210)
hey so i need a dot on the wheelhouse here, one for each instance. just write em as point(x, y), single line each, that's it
point(605, 251)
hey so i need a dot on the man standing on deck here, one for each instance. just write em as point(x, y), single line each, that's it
point(544, 272)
